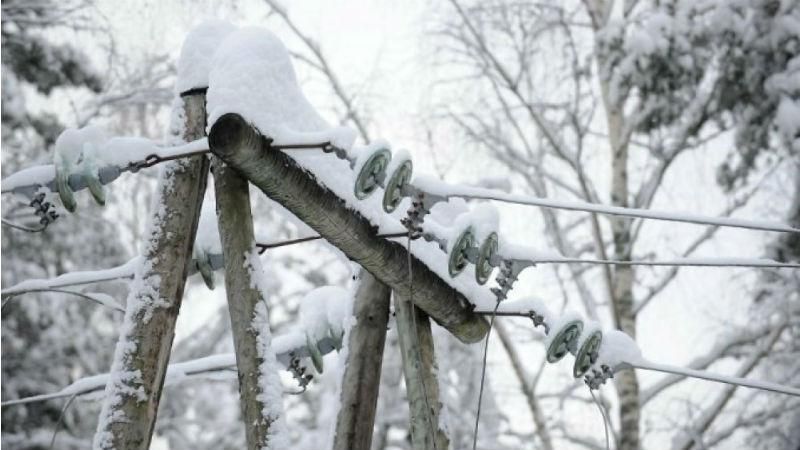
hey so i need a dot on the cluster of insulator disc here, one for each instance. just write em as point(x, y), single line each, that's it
point(568, 337)
point(87, 176)
point(571, 336)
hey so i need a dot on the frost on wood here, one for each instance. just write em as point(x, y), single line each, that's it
point(268, 381)
point(141, 357)
point(326, 310)
point(362, 360)
point(122, 382)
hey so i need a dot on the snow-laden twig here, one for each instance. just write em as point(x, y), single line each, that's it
point(285, 345)
point(74, 279)
point(96, 297)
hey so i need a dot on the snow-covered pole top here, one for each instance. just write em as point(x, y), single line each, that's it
point(252, 75)
point(194, 63)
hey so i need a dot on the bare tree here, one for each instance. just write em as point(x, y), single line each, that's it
point(543, 79)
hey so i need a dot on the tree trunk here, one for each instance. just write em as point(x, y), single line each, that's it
point(143, 349)
point(277, 175)
point(250, 341)
point(359, 396)
point(626, 381)
point(419, 367)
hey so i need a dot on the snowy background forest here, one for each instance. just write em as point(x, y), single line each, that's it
point(671, 105)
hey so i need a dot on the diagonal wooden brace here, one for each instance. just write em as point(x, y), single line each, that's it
point(241, 146)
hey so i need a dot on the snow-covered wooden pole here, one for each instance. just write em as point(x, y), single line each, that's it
point(419, 368)
point(362, 375)
point(259, 385)
point(142, 354)
point(140, 361)
point(239, 144)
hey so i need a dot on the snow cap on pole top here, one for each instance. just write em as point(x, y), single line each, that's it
point(197, 52)
point(252, 76)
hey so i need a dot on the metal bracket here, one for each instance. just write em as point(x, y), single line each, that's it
point(509, 271)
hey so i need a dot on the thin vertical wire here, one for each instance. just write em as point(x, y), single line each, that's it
point(483, 376)
point(605, 418)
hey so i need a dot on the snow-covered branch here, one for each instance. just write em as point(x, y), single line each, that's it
point(287, 346)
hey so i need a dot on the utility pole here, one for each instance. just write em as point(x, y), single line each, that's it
point(419, 368)
point(250, 341)
point(140, 361)
point(362, 375)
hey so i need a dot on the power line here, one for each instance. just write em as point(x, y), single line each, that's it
point(476, 193)
point(684, 262)
point(737, 381)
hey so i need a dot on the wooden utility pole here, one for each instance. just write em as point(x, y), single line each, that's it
point(238, 244)
point(142, 354)
point(362, 375)
point(241, 146)
point(419, 368)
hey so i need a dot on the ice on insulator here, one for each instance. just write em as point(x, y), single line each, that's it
point(445, 213)
point(399, 156)
point(194, 62)
point(588, 343)
point(369, 167)
point(72, 143)
point(252, 75)
point(617, 350)
point(562, 335)
point(589, 328)
point(484, 220)
point(325, 313)
point(207, 244)
point(74, 148)
point(433, 229)
point(92, 143)
point(398, 175)
point(461, 237)
point(326, 310)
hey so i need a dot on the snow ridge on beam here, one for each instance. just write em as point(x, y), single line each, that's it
point(241, 146)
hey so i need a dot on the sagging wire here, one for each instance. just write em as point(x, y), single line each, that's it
point(736, 381)
point(263, 247)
